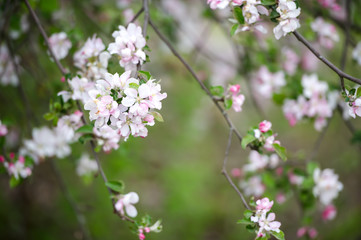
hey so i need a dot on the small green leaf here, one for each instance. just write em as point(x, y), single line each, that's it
point(146, 74)
point(14, 182)
point(268, 2)
point(134, 85)
point(251, 228)
point(247, 140)
point(234, 29)
point(281, 151)
point(352, 92)
point(157, 116)
point(85, 138)
point(247, 213)
point(356, 138)
point(358, 92)
point(85, 129)
point(238, 15)
point(244, 221)
point(49, 116)
point(117, 186)
point(311, 166)
point(217, 91)
point(228, 103)
point(279, 235)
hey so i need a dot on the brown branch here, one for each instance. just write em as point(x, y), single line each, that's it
point(225, 173)
point(338, 71)
point(136, 16)
point(194, 75)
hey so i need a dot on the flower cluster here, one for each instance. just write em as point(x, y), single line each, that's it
point(252, 186)
point(265, 219)
point(48, 142)
point(326, 32)
point(288, 21)
point(142, 230)
point(221, 4)
point(316, 102)
point(259, 161)
point(236, 96)
point(124, 105)
point(17, 168)
point(128, 46)
point(291, 61)
point(267, 83)
point(326, 186)
point(91, 59)
point(86, 166)
point(60, 45)
point(7, 68)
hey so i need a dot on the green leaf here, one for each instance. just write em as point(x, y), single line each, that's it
point(217, 91)
point(228, 103)
point(49, 116)
point(281, 151)
point(14, 182)
point(85, 138)
point(352, 92)
point(146, 74)
point(268, 2)
point(279, 98)
point(117, 186)
point(247, 140)
point(134, 85)
point(157, 116)
point(251, 228)
point(356, 138)
point(247, 213)
point(279, 235)
point(238, 15)
point(358, 92)
point(311, 166)
point(85, 129)
point(2, 141)
point(244, 221)
point(234, 29)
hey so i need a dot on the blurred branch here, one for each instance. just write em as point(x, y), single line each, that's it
point(325, 60)
point(136, 16)
point(191, 71)
point(346, 42)
point(225, 173)
point(80, 217)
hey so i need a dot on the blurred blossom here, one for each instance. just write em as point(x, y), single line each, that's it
point(60, 45)
point(86, 166)
point(266, 83)
point(326, 186)
point(3, 129)
point(326, 32)
point(280, 198)
point(236, 172)
point(309, 61)
point(123, 3)
point(356, 53)
point(291, 61)
point(18, 169)
point(253, 186)
point(329, 213)
point(128, 15)
point(7, 69)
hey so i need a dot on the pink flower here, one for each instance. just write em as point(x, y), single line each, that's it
point(329, 213)
point(301, 232)
point(234, 89)
point(3, 129)
point(312, 232)
point(237, 102)
point(126, 202)
point(141, 236)
point(280, 198)
point(265, 126)
point(236, 172)
point(264, 204)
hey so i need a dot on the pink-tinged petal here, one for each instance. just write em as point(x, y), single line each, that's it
point(271, 217)
point(131, 211)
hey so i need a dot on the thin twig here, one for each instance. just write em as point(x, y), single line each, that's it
point(136, 16)
point(191, 71)
point(225, 173)
point(338, 71)
point(80, 217)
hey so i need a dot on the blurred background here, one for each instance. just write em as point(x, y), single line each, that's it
point(177, 169)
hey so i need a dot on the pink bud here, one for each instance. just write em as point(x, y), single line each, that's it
point(236, 172)
point(62, 79)
point(279, 171)
point(301, 231)
point(21, 159)
point(2, 159)
point(265, 126)
point(3, 130)
point(12, 155)
point(329, 213)
point(141, 236)
point(312, 233)
point(78, 113)
point(147, 229)
point(280, 198)
point(234, 88)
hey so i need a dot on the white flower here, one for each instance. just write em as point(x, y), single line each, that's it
point(250, 13)
point(326, 186)
point(80, 87)
point(18, 169)
point(356, 53)
point(286, 26)
point(86, 166)
point(127, 201)
point(253, 186)
point(327, 33)
point(312, 86)
point(256, 162)
point(221, 4)
point(268, 224)
point(60, 45)
point(266, 83)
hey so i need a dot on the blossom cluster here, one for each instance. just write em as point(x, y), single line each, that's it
point(259, 161)
point(266, 83)
point(326, 32)
point(265, 219)
point(316, 102)
point(237, 98)
point(128, 46)
point(51, 142)
point(16, 167)
point(86, 166)
point(7, 69)
point(288, 21)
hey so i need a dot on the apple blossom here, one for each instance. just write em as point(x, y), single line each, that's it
point(268, 224)
point(327, 34)
point(126, 202)
point(291, 61)
point(253, 186)
point(326, 186)
point(128, 45)
point(257, 161)
point(355, 108)
point(236, 172)
point(265, 126)
point(60, 45)
point(86, 166)
point(266, 83)
point(221, 4)
point(3, 129)
point(18, 169)
point(329, 213)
